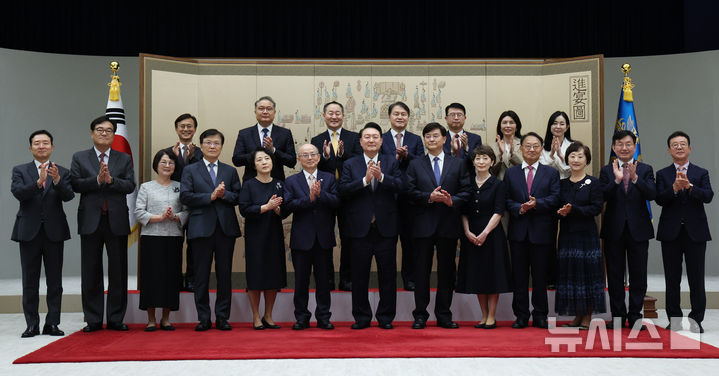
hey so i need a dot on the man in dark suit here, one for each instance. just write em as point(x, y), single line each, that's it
point(368, 186)
point(272, 137)
point(438, 185)
point(103, 177)
point(41, 229)
point(459, 143)
point(186, 153)
point(626, 227)
point(532, 199)
point(336, 145)
point(682, 190)
point(311, 196)
point(404, 146)
point(211, 190)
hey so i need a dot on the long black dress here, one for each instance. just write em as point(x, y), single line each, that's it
point(484, 269)
point(264, 236)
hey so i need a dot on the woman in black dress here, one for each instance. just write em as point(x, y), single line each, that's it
point(483, 258)
point(580, 278)
point(260, 201)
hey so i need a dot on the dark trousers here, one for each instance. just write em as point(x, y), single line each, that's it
point(222, 247)
point(694, 256)
point(636, 254)
point(189, 264)
point(446, 276)
point(304, 261)
point(405, 237)
point(552, 256)
point(93, 297)
point(526, 255)
point(384, 251)
point(32, 254)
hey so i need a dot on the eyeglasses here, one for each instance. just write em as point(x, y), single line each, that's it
point(185, 126)
point(679, 145)
point(455, 115)
point(308, 155)
point(167, 163)
point(211, 144)
point(532, 147)
point(265, 109)
point(104, 131)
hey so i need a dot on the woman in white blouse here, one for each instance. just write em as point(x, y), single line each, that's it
point(162, 216)
point(506, 148)
point(556, 141)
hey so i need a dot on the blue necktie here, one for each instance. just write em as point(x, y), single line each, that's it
point(213, 176)
point(264, 134)
point(437, 175)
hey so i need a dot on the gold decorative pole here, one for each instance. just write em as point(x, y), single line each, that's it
point(115, 83)
point(627, 85)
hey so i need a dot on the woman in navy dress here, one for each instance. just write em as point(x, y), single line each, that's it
point(483, 258)
point(260, 205)
point(580, 278)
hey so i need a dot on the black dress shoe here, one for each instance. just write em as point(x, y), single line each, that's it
point(52, 330)
point(345, 286)
point(519, 324)
point(151, 328)
point(480, 325)
point(386, 325)
point(223, 325)
point(540, 323)
point(203, 326)
point(419, 324)
point(92, 327)
point(258, 327)
point(490, 326)
point(31, 331)
point(696, 327)
point(301, 325)
point(167, 327)
point(610, 324)
point(268, 326)
point(639, 325)
point(120, 327)
point(360, 325)
point(448, 324)
point(324, 325)
point(409, 286)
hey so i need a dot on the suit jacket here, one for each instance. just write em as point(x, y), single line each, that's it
point(436, 218)
point(311, 219)
point(628, 207)
point(196, 188)
point(473, 140)
point(587, 200)
point(686, 206)
point(334, 163)
point(40, 206)
point(535, 224)
point(360, 203)
point(84, 170)
point(180, 165)
point(248, 139)
point(415, 148)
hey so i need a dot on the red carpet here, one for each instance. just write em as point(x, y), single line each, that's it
point(401, 342)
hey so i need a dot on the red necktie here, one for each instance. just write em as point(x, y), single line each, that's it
point(530, 179)
point(459, 145)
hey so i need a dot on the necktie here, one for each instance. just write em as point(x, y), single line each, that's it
point(625, 179)
point(311, 180)
point(213, 176)
point(372, 181)
point(459, 145)
point(104, 200)
point(399, 140)
point(437, 174)
point(530, 179)
point(185, 151)
point(264, 135)
point(335, 147)
point(40, 168)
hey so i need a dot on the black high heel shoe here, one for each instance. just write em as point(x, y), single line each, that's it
point(268, 326)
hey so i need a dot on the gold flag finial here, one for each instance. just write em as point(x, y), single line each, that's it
point(627, 85)
point(115, 83)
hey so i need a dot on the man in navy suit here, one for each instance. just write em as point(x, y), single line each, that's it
point(532, 200)
point(627, 227)
point(438, 186)
point(103, 177)
point(336, 145)
point(186, 153)
point(211, 190)
point(682, 190)
point(404, 146)
point(369, 185)
point(459, 143)
point(274, 138)
point(311, 196)
point(41, 229)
